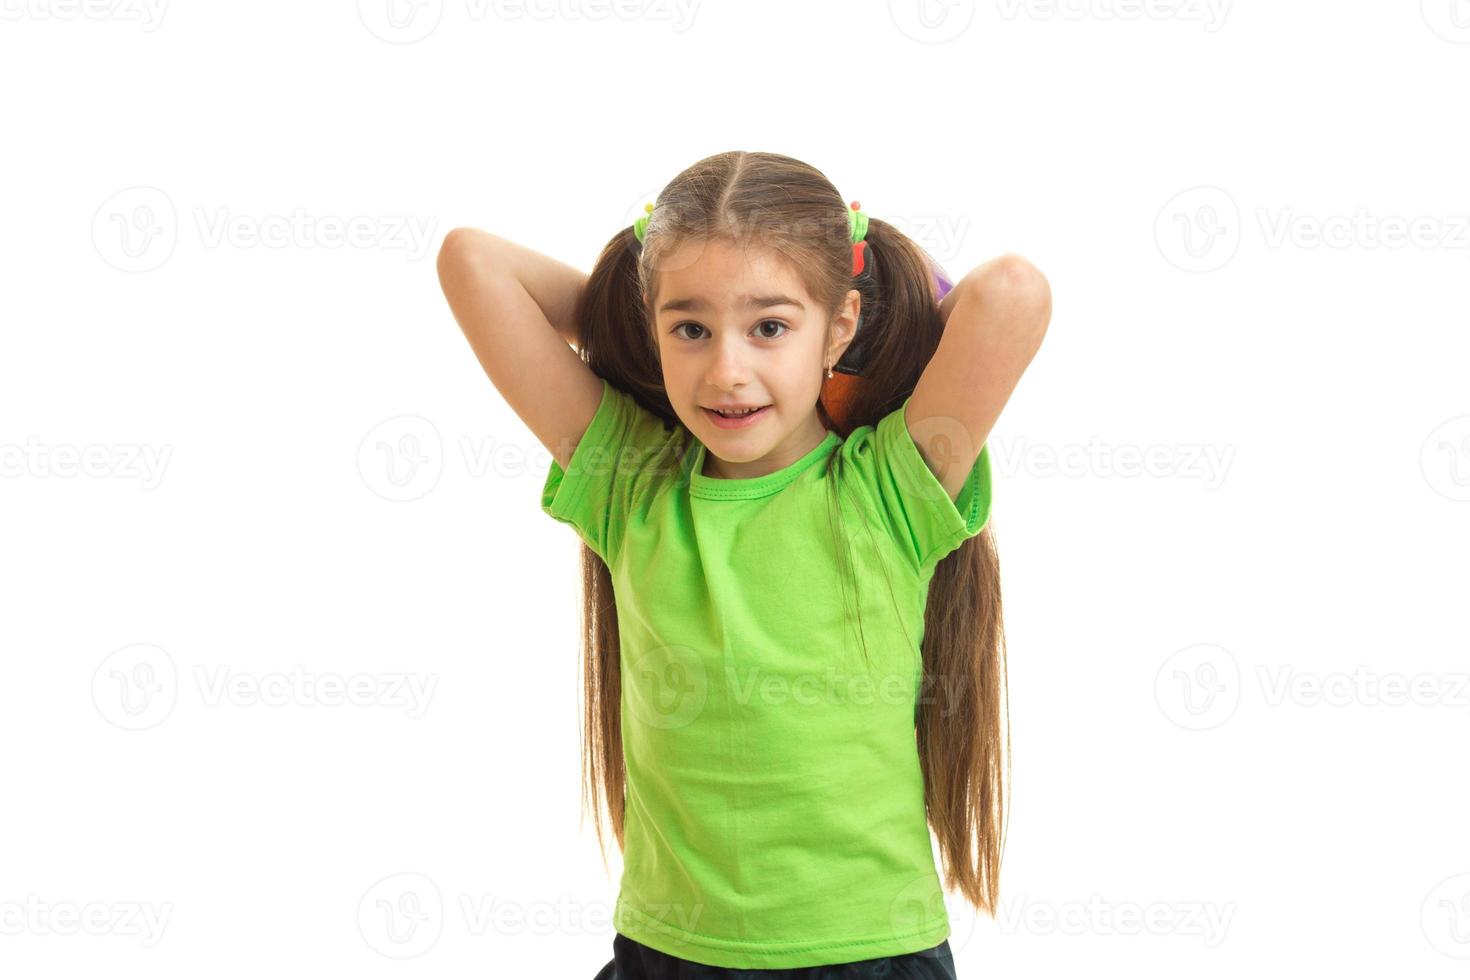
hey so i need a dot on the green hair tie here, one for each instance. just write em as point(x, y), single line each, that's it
point(857, 223)
point(640, 226)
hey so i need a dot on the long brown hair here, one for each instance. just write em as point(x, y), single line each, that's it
point(780, 203)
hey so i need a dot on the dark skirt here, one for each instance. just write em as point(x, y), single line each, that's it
point(634, 961)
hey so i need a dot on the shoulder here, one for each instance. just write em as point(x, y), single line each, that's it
point(622, 423)
point(627, 452)
point(626, 442)
point(866, 446)
point(883, 461)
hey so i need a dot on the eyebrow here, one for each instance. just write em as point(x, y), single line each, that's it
point(695, 304)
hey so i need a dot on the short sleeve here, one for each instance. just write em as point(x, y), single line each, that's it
point(620, 456)
point(926, 522)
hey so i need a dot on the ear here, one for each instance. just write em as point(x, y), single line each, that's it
point(844, 326)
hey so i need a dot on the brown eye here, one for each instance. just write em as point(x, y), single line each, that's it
point(768, 322)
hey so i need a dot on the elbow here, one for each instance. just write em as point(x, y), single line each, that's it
point(464, 250)
point(452, 253)
point(1013, 283)
point(1016, 279)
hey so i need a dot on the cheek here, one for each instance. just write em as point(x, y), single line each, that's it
point(802, 368)
point(680, 378)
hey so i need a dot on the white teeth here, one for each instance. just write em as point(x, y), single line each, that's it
point(732, 415)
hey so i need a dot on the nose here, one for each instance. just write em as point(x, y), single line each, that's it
point(727, 367)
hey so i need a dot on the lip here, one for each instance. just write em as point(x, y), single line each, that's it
point(744, 421)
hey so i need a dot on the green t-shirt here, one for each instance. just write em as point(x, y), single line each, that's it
point(775, 804)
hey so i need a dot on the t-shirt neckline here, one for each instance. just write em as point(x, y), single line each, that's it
point(756, 486)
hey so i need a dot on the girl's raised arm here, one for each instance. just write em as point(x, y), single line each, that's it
point(994, 320)
point(515, 307)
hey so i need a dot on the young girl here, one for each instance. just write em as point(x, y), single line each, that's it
point(771, 440)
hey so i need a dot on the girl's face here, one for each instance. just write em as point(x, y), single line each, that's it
point(737, 330)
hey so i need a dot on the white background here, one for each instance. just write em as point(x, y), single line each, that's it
point(238, 449)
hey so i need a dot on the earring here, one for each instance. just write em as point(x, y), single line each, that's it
point(829, 372)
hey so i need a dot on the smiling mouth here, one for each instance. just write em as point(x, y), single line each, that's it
point(735, 413)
